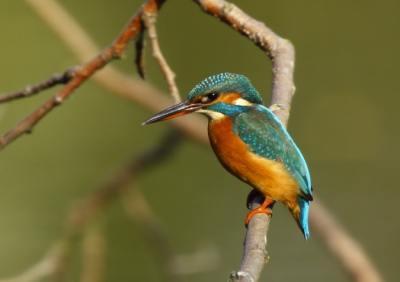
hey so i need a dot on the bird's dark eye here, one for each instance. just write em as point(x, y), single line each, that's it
point(212, 96)
point(207, 98)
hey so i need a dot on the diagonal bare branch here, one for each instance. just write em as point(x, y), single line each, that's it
point(80, 75)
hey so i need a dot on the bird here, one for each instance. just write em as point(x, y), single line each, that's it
point(250, 142)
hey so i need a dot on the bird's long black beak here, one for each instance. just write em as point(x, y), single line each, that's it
point(177, 110)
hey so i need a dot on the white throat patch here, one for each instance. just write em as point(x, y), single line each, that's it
point(211, 114)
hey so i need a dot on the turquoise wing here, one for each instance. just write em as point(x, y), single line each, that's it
point(266, 137)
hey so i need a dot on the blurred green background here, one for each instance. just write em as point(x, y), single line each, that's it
point(344, 117)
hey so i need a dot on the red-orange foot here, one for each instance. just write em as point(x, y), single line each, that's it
point(260, 209)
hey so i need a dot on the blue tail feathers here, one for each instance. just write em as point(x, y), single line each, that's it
point(303, 217)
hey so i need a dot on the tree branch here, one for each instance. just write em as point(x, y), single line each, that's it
point(114, 51)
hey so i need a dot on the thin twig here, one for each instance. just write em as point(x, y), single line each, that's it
point(36, 88)
point(149, 20)
point(139, 55)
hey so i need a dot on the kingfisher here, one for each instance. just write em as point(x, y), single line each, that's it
point(250, 142)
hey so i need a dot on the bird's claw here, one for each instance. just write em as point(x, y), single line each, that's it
point(260, 209)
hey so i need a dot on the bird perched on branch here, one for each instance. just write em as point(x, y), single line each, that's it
point(250, 142)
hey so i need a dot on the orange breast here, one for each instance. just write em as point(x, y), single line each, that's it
point(269, 177)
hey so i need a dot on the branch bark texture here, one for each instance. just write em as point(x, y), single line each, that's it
point(34, 89)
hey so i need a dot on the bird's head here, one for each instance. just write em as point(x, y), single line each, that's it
point(224, 94)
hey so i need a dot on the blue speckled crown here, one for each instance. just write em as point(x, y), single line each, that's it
point(225, 83)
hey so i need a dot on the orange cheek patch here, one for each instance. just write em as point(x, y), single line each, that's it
point(229, 98)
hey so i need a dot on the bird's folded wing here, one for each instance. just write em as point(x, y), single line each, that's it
point(266, 137)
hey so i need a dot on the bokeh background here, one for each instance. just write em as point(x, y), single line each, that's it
point(345, 118)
